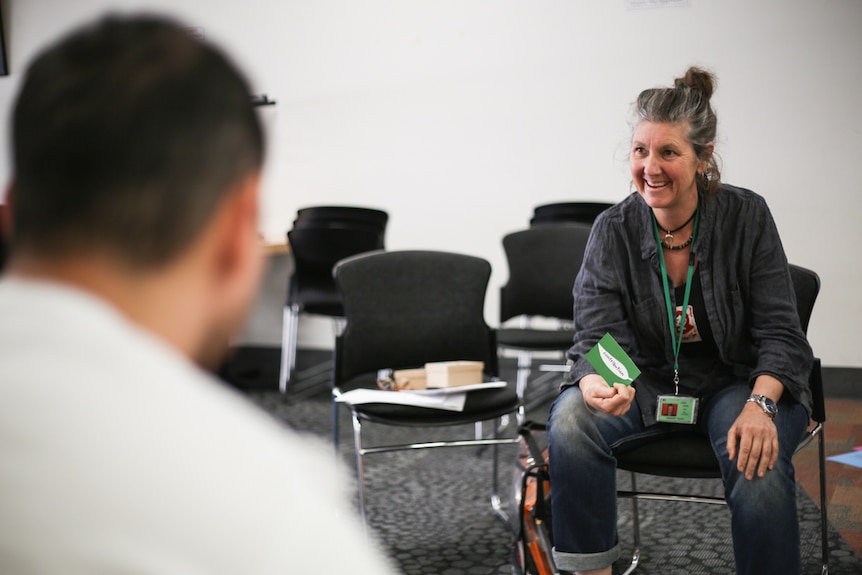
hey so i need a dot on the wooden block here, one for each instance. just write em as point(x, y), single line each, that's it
point(454, 373)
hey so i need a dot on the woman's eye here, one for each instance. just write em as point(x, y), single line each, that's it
point(668, 153)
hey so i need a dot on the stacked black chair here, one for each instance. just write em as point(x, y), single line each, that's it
point(341, 216)
point(578, 212)
point(543, 262)
point(690, 455)
point(405, 309)
point(321, 236)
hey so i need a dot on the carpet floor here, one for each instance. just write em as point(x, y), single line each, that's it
point(430, 509)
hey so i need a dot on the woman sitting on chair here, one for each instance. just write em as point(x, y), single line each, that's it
point(738, 359)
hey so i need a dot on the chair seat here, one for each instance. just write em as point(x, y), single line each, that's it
point(333, 309)
point(535, 339)
point(678, 454)
point(480, 406)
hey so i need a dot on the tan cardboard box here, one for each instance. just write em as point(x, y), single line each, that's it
point(454, 373)
point(409, 378)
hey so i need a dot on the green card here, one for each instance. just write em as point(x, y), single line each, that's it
point(611, 362)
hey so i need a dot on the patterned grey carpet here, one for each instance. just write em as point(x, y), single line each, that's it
point(431, 508)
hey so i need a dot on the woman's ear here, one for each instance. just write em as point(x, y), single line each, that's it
point(706, 155)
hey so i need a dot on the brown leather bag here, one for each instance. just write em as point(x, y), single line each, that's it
point(532, 502)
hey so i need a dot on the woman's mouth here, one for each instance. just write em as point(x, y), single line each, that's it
point(656, 185)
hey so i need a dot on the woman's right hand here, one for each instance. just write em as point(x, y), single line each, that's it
point(616, 400)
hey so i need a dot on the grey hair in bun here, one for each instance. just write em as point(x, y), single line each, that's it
point(687, 101)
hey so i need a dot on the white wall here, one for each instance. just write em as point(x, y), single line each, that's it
point(459, 116)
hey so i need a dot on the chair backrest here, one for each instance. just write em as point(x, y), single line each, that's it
point(580, 212)
point(4, 233)
point(806, 285)
point(543, 263)
point(343, 215)
point(406, 308)
point(315, 252)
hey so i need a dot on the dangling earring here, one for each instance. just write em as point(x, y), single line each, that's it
point(704, 184)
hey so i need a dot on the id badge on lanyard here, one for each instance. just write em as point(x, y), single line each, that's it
point(676, 408)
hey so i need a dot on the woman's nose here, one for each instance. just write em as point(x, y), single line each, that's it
point(651, 165)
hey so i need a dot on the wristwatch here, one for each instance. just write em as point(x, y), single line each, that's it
point(768, 406)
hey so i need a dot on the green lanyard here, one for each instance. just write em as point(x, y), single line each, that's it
point(676, 341)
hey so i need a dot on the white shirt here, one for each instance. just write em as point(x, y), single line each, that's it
point(119, 456)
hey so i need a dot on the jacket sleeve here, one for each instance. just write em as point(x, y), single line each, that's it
point(598, 298)
point(782, 348)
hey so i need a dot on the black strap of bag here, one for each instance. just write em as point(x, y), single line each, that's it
point(526, 431)
point(539, 469)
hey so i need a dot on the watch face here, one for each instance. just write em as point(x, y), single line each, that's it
point(766, 404)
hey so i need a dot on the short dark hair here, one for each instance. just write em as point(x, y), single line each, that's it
point(127, 134)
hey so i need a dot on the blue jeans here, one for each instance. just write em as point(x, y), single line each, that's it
point(764, 521)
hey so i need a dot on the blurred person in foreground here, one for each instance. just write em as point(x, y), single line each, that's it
point(134, 256)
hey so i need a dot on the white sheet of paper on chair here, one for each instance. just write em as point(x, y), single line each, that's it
point(459, 389)
point(449, 399)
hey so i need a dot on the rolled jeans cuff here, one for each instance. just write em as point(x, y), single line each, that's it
point(586, 561)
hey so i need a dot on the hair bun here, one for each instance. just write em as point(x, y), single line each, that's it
point(697, 79)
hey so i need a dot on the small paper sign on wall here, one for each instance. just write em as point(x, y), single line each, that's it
point(638, 4)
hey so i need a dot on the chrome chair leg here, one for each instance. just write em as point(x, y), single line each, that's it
point(335, 426)
point(824, 521)
point(294, 329)
point(360, 452)
point(284, 368)
point(636, 531)
point(360, 465)
point(289, 328)
point(496, 502)
point(525, 366)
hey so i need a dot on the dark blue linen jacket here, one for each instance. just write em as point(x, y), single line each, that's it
point(747, 290)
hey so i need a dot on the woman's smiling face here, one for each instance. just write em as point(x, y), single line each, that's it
point(664, 165)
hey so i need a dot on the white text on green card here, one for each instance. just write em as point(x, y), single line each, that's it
point(611, 362)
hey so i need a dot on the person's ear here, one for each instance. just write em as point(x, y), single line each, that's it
point(706, 155)
point(234, 265)
point(239, 247)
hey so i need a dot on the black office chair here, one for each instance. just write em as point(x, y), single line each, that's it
point(5, 220)
point(690, 455)
point(3, 253)
point(335, 216)
point(543, 262)
point(405, 309)
point(311, 289)
point(577, 212)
